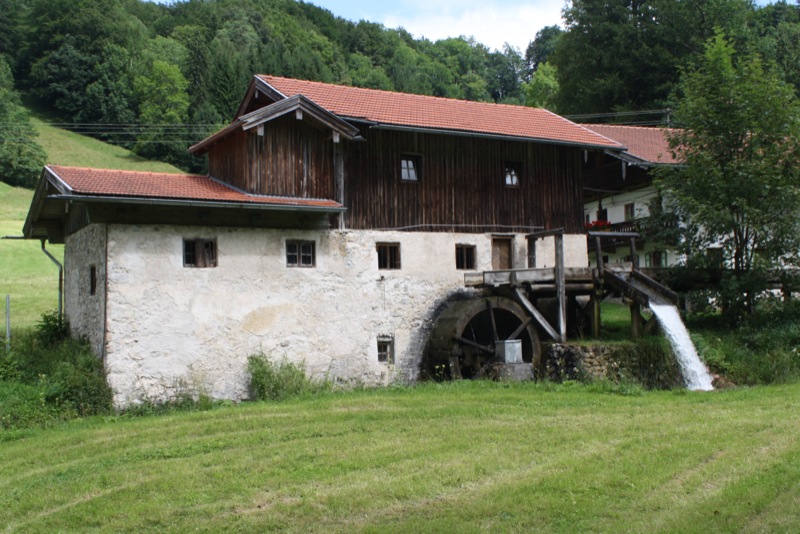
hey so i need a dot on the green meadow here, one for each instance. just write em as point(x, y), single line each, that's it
point(457, 457)
point(28, 276)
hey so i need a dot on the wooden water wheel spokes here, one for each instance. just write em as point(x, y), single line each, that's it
point(464, 335)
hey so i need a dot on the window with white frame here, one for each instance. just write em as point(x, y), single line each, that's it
point(409, 168)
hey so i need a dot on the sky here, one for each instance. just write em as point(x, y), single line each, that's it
point(490, 22)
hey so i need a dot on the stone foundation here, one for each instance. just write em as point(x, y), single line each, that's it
point(647, 363)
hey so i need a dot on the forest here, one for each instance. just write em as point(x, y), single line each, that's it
point(158, 77)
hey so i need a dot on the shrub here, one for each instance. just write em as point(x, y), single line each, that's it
point(78, 380)
point(765, 349)
point(51, 329)
point(68, 379)
point(279, 380)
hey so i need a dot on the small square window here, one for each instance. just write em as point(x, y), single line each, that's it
point(409, 168)
point(199, 252)
point(300, 254)
point(386, 349)
point(513, 172)
point(465, 257)
point(388, 255)
point(602, 215)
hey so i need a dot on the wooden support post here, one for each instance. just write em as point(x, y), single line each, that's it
point(597, 297)
point(636, 320)
point(598, 253)
point(338, 175)
point(560, 287)
point(634, 256)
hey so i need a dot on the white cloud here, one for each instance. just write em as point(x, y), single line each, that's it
point(492, 23)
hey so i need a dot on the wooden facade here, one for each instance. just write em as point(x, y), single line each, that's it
point(461, 185)
point(285, 157)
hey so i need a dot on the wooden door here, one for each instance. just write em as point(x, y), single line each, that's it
point(501, 253)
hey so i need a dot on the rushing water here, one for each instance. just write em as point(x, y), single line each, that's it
point(694, 371)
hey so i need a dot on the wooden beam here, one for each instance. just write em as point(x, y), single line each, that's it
point(560, 291)
point(655, 286)
point(546, 233)
point(636, 320)
point(532, 276)
point(537, 315)
point(338, 179)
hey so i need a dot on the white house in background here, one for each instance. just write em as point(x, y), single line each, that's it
point(334, 226)
point(619, 186)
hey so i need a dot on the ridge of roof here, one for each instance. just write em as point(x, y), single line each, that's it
point(441, 114)
point(275, 110)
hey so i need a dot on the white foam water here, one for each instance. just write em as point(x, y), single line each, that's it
point(694, 371)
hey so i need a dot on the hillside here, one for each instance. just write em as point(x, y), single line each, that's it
point(26, 274)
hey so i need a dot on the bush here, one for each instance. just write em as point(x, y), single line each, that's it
point(765, 349)
point(66, 376)
point(276, 381)
point(78, 381)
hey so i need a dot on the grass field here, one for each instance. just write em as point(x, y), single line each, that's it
point(26, 274)
point(460, 457)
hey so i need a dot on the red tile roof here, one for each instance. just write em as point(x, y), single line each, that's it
point(402, 109)
point(649, 144)
point(158, 185)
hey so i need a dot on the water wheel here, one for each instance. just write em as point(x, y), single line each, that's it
point(462, 341)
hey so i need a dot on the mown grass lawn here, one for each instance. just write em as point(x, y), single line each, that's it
point(460, 457)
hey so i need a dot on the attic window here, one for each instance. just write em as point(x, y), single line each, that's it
point(300, 254)
point(409, 168)
point(388, 255)
point(513, 171)
point(199, 252)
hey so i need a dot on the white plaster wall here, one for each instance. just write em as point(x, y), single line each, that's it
point(575, 251)
point(171, 327)
point(615, 205)
point(85, 312)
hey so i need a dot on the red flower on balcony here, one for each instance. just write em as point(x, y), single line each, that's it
point(598, 226)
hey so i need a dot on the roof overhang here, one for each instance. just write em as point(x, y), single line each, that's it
point(304, 108)
point(52, 214)
point(630, 159)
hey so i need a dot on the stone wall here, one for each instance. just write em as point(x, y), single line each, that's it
point(85, 311)
point(170, 327)
point(646, 361)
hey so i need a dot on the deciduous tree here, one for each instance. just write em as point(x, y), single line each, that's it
point(739, 187)
point(21, 157)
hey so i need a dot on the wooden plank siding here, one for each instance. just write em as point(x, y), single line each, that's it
point(291, 158)
point(461, 185)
